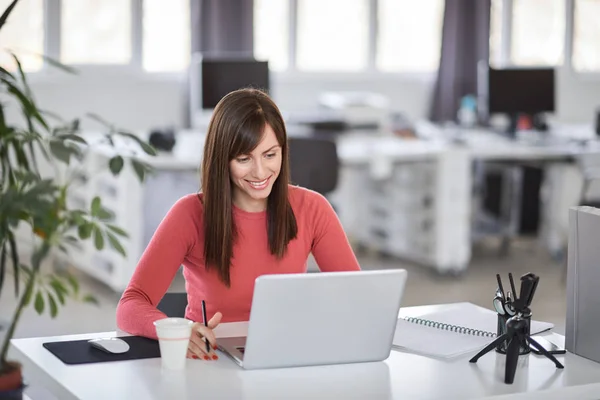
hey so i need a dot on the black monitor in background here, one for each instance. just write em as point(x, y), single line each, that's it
point(515, 91)
point(221, 76)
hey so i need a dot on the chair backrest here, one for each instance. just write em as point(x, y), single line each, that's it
point(173, 304)
point(314, 163)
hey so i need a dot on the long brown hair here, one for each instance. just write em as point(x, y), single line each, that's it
point(236, 128)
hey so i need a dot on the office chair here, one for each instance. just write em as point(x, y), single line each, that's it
point(173, 304)
point(314, 163)
point(503, 222)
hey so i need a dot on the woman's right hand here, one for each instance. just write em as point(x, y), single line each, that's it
point(197, 345)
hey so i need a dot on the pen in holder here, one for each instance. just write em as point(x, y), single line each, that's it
point(502, 330)
point(514, 325)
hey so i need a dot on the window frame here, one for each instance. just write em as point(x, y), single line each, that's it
point(567, 65)
point(52, 34)
point(52, 47)
point(369, 74)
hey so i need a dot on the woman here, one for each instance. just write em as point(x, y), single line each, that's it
point(246, 222)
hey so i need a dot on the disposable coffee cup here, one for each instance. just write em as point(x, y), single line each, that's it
point(173, 340)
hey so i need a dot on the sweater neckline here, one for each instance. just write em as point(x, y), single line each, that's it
point(238, 212)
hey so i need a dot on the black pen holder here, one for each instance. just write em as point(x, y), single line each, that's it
point(501, 330)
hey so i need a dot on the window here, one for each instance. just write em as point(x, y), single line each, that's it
point(333, 35)
point(271, 32)
point(166, 50)
point(95, 32)
point(496, 32)
point(586, 36)
point(538, 32)
point(409, 35)
point(23, 34)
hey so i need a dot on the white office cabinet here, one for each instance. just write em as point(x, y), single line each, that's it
point(138, 209)
point(420, 212)
point(123, 196)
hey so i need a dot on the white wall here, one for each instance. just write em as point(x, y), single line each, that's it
point(578, 97)
point(141, 102)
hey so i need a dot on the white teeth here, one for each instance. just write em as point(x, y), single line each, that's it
point(259, 183)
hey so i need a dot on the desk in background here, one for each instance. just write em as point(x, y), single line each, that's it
point(401, 376)
point(410, 198)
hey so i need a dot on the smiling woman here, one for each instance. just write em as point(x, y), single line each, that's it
point(246, 222)
point(253, 174)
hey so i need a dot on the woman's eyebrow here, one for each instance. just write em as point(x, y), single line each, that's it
point(266, 151)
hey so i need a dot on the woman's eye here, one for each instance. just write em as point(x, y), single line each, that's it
point(243, 159)
point(270, 155)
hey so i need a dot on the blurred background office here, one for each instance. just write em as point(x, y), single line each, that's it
point(451, 137)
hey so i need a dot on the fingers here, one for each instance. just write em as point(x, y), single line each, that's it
point(197, 344)
point(215, 320)
point(204, 332)
point(197, 348)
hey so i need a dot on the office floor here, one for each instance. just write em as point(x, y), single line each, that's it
point(477, 285)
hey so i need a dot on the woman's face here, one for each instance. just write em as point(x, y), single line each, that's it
point(253, 174)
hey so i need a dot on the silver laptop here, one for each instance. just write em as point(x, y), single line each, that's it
point(319, 318)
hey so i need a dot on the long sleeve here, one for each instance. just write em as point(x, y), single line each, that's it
point(330, 246)
point(171, 242)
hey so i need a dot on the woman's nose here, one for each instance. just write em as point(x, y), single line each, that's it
point(259, 169)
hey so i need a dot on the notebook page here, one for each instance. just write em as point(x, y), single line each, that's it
point(428, 341)
point(474, 317)
point(442, 343)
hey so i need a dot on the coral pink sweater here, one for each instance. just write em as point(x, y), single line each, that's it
point(179, 240)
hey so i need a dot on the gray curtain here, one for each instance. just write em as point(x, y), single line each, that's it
point(465, 41)
point(222, 27)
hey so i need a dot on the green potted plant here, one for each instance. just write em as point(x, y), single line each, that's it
point(37, 160)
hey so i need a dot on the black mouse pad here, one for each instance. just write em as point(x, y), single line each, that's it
point(82, 352)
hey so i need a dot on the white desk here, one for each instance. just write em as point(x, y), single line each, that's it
point(401, 376)
point(378, 171)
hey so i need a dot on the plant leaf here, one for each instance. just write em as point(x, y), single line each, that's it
point(58, 64)
point(140, 168)
point(96, 204)
point(98, 238)
point(117, 230)
point(73, 137)
point(28, 295)
point(7, 12)
point(39, 302)
point(116, 165)
point(148, 149)
point(15, 259)
point(74, 284)
point(59, 290)
point(60, 151)
point(5, 72)
point(105, 214)
point(3, 264)
point(101, 120)
point(115, 244)
point(53, 306)
point(88, 298)
point(85, 230)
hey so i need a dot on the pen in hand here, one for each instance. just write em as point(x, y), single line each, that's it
point(205, 324)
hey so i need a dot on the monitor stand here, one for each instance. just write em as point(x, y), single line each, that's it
point(538, 123)
point(511, 131)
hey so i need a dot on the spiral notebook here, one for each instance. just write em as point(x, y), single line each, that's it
point(462, 328)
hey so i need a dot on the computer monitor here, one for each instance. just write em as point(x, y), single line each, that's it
point(515, 91)
point(521, 90)
point(212, 78)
